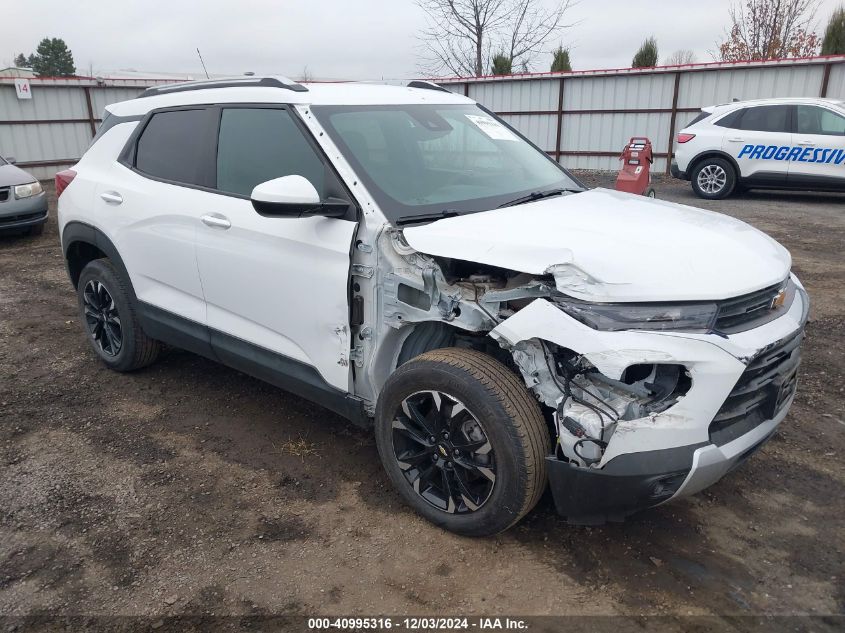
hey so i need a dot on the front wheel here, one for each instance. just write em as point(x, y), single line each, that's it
point(713, 179)
point(463, 441)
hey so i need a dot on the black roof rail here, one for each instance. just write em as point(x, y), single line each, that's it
point(246, 82)
point(426, 85)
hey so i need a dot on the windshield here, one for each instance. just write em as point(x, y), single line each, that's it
point(421, 160)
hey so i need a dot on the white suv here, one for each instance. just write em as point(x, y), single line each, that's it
point(766, 144)
point(404, 258)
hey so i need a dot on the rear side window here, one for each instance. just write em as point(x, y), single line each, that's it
point(174, 146)
point(766, 119)
point(730, 120)
point(260, 144)
point(815, 120)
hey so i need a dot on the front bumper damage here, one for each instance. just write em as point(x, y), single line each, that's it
point(740, 389)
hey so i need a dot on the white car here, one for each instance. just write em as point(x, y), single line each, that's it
point(765, 144)
point(404, 258)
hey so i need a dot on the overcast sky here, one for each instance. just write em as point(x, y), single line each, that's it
point(354, 39)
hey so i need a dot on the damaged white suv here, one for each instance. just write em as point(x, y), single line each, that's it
point(405, 258)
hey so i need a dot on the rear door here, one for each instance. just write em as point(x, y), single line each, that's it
point(820, 133)
point(151, 202)
point(279, 284)
point(760, 138)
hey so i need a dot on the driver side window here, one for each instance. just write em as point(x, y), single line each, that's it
point(815, 120)
point(259, 144)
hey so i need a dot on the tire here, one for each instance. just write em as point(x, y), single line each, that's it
point(110, 319)
point(496, 428)
point(650, 193)
point(713, 179)
point(37, 229)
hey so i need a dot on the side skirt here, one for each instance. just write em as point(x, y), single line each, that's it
point(281, 371)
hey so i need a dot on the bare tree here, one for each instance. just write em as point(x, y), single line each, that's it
point(680, 57)
point(462, 34)
point(305, 75)
point(770, 29)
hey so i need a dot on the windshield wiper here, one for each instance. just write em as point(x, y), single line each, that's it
point(426, 217)
point(538, 195)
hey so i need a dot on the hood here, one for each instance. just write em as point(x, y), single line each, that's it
point(604, 245)
point(11, 176)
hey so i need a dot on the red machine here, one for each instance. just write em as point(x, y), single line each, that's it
point(635, 175)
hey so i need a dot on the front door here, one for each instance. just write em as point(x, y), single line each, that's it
point(820, 132)
point(280, 284)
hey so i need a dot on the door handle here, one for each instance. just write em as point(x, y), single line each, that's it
point(736, 140)
point(217, 221)
point(111, 197)
point(806, 143)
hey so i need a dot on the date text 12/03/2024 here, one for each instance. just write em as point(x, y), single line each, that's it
point(793, 153)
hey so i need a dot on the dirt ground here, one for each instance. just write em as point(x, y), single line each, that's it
point(191, 488)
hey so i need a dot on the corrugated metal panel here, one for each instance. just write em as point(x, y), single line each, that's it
point(604, 163)
point(539, 128)
point(610, 132)
point(714, 87)
point(101, 97)
point(609, 93)
point(458, 89)
point(836, 84)
point(516, 96)
point(45, 141)
point(46, 103)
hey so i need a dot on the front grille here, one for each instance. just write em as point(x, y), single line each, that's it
point(12, 219)
point(740, 311)
point(4, 194)
point(761, 392)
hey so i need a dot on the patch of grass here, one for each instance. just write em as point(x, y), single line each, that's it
point(300, 447)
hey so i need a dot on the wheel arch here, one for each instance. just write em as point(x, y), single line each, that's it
point(83, 243)
point(714, 153)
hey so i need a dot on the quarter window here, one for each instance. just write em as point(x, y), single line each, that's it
point(173, 146)
point(815, 120)
point(260, 144)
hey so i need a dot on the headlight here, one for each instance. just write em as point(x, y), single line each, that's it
point(28, 190)
point(643, 316)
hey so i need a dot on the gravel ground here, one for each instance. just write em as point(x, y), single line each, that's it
point(189, 488)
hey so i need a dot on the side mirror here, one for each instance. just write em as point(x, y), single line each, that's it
point(11, 160)
point(294, 197)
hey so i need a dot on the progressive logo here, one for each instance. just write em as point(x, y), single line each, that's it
point(825, 155)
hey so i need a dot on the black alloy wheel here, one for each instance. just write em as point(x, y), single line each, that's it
point(102, 318)
point(443, 452)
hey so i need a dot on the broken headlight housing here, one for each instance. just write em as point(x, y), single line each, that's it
point(640, 316)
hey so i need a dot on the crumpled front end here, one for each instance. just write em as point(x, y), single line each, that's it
point(643, 417)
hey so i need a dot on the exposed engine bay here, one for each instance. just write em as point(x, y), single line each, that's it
point(429, 302)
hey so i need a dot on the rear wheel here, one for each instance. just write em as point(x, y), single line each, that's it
point(462, 440)
point(110, 320)
point(713, 179)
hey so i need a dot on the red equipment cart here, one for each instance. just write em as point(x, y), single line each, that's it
point(635, 175)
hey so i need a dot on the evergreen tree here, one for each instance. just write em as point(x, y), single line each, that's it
point(646, 57)
point(53, 59)
point(561, 62)
point(834, 34)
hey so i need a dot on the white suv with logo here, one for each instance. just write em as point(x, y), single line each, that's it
point(766, 144)
point(406, 259)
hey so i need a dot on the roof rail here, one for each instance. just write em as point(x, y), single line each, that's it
point(246, 82)
point(426, 85)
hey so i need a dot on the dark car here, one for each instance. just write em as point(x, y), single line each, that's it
point(23, 203)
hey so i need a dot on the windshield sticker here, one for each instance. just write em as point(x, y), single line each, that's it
point(794, 154)
point(492, 128)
